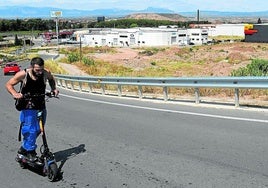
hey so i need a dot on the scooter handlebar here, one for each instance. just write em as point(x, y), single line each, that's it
point(48, 94)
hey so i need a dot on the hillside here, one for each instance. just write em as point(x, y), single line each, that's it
point(158, 16)
point(214, 60)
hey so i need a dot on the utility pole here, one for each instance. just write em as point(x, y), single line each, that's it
point(24, 45)
point(80, 49)
point(32, 37)
point(57, 32)
point(56, 14)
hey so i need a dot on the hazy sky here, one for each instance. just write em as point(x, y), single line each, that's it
point(175, 5)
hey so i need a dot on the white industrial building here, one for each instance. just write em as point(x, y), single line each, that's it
point(131, 37)
point(136, 37)
point(227, 30)
point(162, 36)
point(197, 36)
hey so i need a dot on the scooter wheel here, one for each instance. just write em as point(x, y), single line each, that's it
point(52, 172)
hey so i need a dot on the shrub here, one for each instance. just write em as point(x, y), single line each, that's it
point(88, 61)
point(72, 57)
point(147, 52)
point(258, 67)
point(153, 63)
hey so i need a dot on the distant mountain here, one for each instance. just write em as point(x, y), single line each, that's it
point(158, 16)
point(8, 12)
point(44, 12)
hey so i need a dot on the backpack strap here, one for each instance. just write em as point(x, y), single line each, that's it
point(23, 82)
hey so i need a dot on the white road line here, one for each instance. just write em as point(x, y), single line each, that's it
point(166, 110)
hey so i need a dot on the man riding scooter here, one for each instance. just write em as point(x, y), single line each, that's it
point(33, 82)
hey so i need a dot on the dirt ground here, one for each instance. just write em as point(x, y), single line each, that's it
point(214, 60)
point(72, 69)
point(209, 60)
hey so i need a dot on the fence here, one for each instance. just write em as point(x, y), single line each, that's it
point(236, 83)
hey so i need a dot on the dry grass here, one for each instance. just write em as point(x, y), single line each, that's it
point(214, 60)
point(198, 61)
point(54, 67)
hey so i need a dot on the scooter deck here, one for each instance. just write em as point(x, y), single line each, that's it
point(23, 159)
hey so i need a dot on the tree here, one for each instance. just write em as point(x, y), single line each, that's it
point(259, 21)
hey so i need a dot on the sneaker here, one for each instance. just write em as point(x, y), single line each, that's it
point(20, 154)
point(22, 151)
point(31, 155)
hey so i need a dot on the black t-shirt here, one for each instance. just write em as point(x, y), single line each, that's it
point(35, 87)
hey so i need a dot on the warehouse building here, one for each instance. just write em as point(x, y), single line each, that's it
point(137, 37)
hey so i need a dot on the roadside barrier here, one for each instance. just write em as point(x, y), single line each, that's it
point(81, 82)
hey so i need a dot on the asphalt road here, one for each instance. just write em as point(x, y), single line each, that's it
point(110, 142)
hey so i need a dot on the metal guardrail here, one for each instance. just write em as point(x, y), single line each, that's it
point(235, 83)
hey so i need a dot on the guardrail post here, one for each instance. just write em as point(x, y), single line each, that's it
point(80, 86)
point(197, 95)
point(119, 90)
point(236, 97)
point(102, 89)
point(66, 84)
point(60, 83)
point(90, 87)
point(165, 92)
point(72, 85)
point(140, 91)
